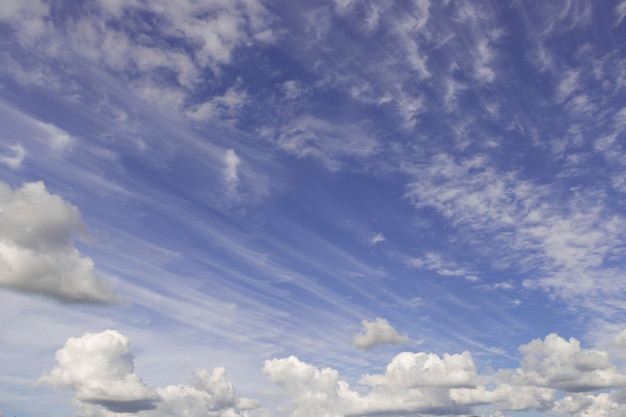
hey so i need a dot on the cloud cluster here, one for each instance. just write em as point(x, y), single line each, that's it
point(378, 332)
point(567, 240)
point(99, 369)
point(37, 254)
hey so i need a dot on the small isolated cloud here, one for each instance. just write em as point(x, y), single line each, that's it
point(37, 254)
point(99, 369)
point(376, 333)
point(231, 176)
point(15, 160)
point(378, 238)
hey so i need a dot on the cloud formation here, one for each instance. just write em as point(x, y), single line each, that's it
point(37, 254)
point(376, 333)
point(99, 369)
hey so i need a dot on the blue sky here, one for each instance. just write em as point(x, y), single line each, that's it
point(312, 208)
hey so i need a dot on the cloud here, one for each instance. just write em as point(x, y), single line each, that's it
point(547, 366)
point(231, 177)
point(376, 333)
point(311, 137)
point(421, 369)
point(29, 18)
point(620, 12)
point(569, 240)
point(225, 107)
point(378, 238)
point(99, 369)
point(413, 383)
point(433, 262)
point(16, 160)
point(37, 254)
point(559, 363)
point(209, 393)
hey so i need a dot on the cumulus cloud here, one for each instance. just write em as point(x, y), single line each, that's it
point(37, 254)
point(413, 383)
point(547, 366)
point(376, 333)
point(562, 364)
point(99, 369)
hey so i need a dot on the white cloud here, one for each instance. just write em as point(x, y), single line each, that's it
point(570, 240)
point(568, 84)
point(99, 369)
point(413, 383)
point(18, 156)
point(231, 176)
point(436, 263)
point(207, 394)
point(36, 247)
point(27, 17)
point(224, 108)
point(376, 333)
point(620, 12)
point(309, 136)
point(378, 238)
point(58, 139)
point(411, 370)
point(547, 366)
point(313, 392)
point(559, 363)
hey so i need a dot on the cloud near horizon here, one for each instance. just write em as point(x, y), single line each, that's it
point(99, 369)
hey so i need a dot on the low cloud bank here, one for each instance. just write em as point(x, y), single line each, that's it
point(556, 376)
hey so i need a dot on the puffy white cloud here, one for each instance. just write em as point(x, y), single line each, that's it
point(378, 332)
point(208, 394)
point(413, 383)
point(313, 392)
point(585, 405)
point(37, 254)
point(421, 369)
point(548, 366)
point(559, 363)
point(99, 368)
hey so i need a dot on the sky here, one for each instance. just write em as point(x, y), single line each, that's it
point(321, 208)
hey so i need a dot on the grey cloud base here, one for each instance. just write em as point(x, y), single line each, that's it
point(555, 376)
